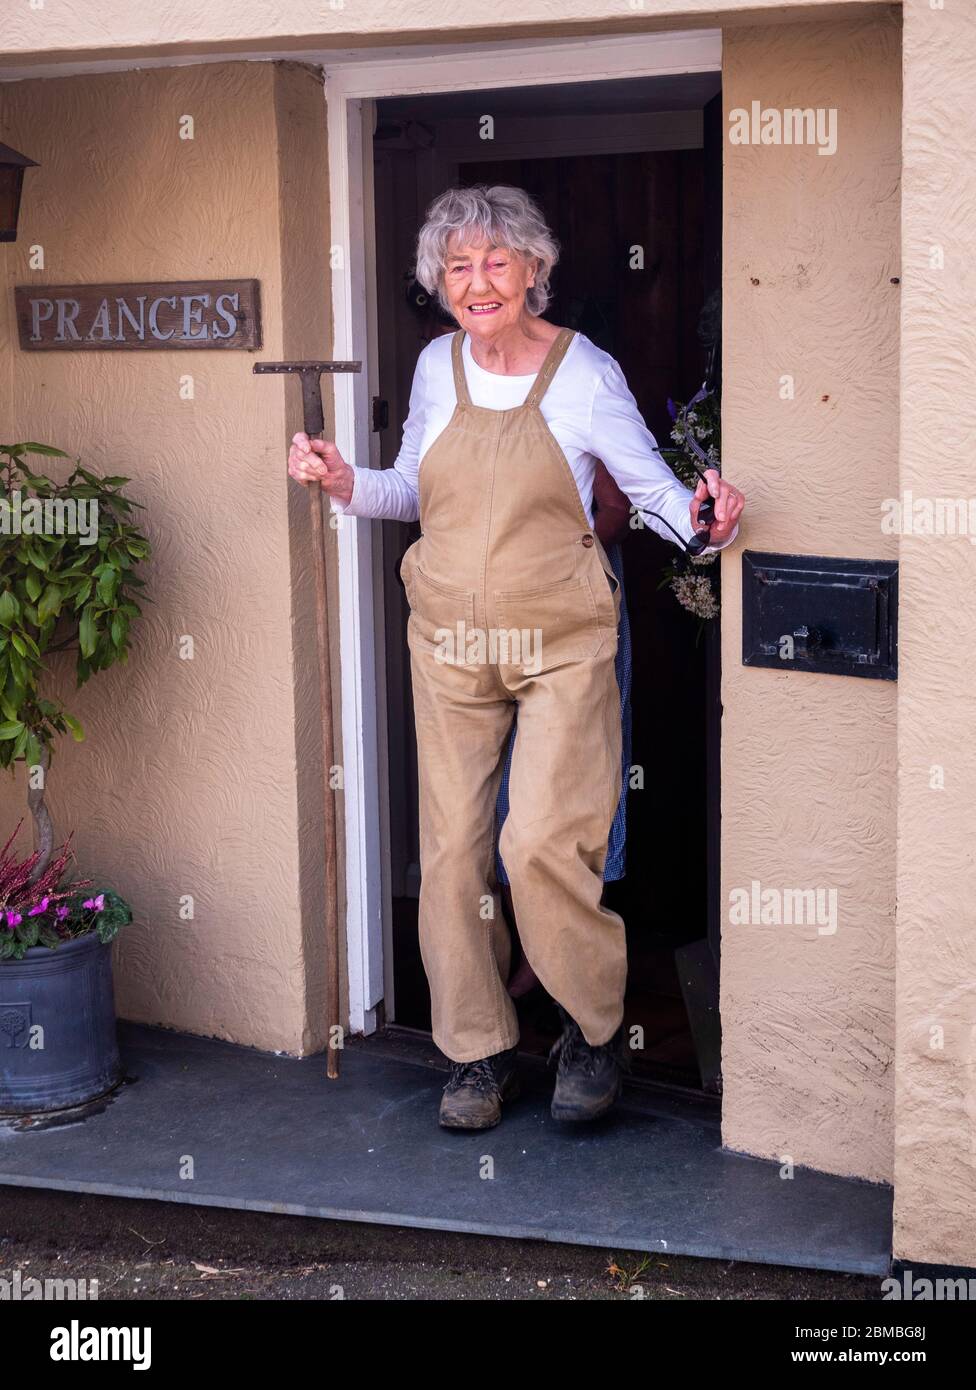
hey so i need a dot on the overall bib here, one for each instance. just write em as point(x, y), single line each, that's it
point(513, 601)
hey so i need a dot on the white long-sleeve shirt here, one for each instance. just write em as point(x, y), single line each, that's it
point(589, 409)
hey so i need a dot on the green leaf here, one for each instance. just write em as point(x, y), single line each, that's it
point(108, 582)
point(115, 914)
point(19, 668)
point(50, 604)
point(83, 594)
point(9, 608)
point(33, 585)
point(77, 732)
point(46, 449)
point(87, 635)
point(29, 930)
point(13, 728)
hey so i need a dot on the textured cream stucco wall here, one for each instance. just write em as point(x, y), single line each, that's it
point(193, 772)
point(76, 29)
point(808, 761)
point(935, 1114)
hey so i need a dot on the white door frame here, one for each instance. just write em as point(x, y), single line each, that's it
point(352, 83)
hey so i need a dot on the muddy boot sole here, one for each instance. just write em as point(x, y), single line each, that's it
point(509, 1090)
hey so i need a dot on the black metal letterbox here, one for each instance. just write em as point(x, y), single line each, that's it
point(820, 613)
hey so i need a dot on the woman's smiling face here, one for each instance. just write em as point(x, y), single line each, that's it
point(485, 287)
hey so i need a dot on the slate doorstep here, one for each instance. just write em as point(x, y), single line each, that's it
point(210, 1123)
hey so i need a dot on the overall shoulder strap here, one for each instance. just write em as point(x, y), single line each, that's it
point(460, 381)
point(547, 371)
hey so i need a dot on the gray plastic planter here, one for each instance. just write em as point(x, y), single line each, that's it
point(58, 1045)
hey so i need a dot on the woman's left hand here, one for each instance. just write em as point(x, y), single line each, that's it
point(729, 503)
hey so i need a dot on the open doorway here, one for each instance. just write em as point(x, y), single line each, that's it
point(628, 174)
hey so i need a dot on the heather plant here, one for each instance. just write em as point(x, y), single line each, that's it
point(47, 908)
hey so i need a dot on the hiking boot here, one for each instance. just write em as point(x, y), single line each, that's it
point(588, 1079)
point(474, 1092)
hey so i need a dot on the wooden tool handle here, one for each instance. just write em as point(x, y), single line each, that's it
point(331, 859)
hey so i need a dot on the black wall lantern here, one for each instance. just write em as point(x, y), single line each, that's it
point(12, 166)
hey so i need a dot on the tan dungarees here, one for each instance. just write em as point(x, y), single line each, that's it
point(512, 599)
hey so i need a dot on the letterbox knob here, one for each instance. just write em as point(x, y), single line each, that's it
point(807, 639)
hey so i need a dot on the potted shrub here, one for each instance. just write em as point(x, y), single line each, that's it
point(57, 1013)
point(68, 555)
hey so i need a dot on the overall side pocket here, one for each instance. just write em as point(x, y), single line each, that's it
point(440, 616)
point(548, 626)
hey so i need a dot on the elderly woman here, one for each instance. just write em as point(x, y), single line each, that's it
point(514, 603)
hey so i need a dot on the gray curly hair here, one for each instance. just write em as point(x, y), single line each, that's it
point(500, 215)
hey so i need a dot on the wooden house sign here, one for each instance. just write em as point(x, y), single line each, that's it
point(181, 314)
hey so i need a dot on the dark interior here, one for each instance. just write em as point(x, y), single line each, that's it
point(601, 204)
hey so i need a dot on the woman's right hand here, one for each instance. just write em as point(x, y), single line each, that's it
point(318, 460)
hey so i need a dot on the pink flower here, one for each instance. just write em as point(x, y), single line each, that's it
point(62, 911)
point(41, 907)
point(96, 903)
point(14, 919)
